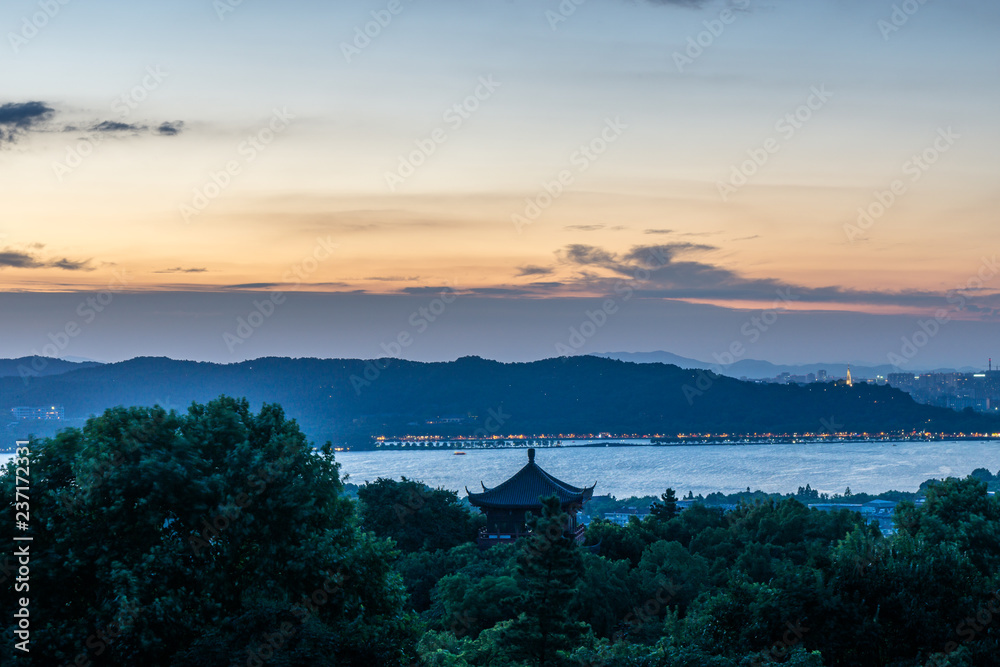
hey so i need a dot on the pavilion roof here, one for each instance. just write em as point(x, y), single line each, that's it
point(526, 489)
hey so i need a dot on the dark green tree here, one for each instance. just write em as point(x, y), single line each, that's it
point(416, 516)
point(666, 509)
point(207, 538)
point(549, 569)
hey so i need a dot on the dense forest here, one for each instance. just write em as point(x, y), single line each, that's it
point(348, 401)
point(220, 537)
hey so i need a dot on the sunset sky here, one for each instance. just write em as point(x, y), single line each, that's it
point(684, 162)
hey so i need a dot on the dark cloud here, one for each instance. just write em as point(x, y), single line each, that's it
point(111, 126)
point(17, 259)
point(18, 118)
point(171, 128)
point(531, 270)
point(71, 265)
point(658, 231)
point(182, 270)
point(654, 255)
point(392, 279)
point(578, 253)
point(666, 271)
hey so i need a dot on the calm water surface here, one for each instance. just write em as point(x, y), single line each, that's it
point(626, 471)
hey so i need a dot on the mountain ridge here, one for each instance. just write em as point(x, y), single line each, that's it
point(349, 401)
point(757, 369)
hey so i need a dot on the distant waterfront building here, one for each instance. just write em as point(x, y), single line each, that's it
point(53, 412)
point(879, 511)
point(623, 515)
point(506, 505)
point(978, 391)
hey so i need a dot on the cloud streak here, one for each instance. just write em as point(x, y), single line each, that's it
point(18, 259)
point(182, 270)
point(673, 274)
point(531, 270)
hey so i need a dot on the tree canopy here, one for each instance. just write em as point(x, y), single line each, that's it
point(204, 538)
point(221, 537)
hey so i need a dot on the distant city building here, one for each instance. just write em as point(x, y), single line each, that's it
point(623, 515)
point(958, 391)
point(879, 511)
point(44, 413)
point(821, 375)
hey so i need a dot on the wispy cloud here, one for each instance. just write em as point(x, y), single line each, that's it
point(593, 228)
point(19, 259)
point(112, 127)
point(674, 274)
point(532, 270)
point(170, 128)
point(18, 118)
point(179, 269)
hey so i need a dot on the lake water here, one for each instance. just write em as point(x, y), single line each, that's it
point(625, 471)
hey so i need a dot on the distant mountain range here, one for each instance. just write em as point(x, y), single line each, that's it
point(39, 366)
point(761, 370)
point(753, 369)
point(350, 400)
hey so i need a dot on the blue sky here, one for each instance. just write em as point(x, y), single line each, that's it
point(173, 195)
